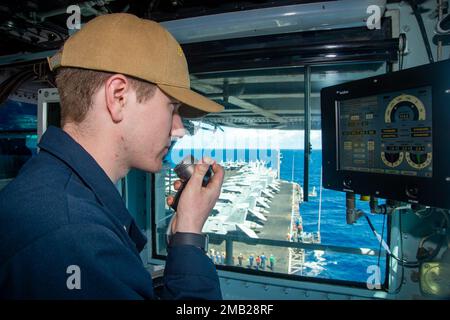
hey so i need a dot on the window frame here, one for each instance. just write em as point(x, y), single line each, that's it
point(199, 63)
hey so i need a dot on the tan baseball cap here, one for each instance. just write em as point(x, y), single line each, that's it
point(123, 43)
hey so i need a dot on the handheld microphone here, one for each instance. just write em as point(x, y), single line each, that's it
point(184, 171)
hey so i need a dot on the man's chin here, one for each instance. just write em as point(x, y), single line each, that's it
point(154, 167)
point(157, 167)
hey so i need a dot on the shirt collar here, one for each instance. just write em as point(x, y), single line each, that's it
point(62, 146)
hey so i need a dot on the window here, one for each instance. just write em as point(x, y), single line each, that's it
point(333, 228)
point(260, 223)
point(18, 137)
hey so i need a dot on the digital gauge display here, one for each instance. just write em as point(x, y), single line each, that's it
point(388, 133)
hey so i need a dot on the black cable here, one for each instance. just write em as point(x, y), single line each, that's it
point(423, 31)
point(416, 264)
point(397, 290)
point(402, 262)
point(382, 237)
point(439, 244)
point(401, 50)
point(400, 61)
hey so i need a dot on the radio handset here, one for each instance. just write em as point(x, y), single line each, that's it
point(184, 171)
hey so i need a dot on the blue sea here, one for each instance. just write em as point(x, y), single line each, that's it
point(334, 229)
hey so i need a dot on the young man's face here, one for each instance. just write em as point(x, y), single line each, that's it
point(149, 129)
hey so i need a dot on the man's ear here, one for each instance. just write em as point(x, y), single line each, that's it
point(117, 88)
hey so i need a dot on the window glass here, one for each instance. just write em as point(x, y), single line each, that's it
point(261, 223)
point(18, 137)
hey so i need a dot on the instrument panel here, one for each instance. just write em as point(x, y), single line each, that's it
point(388, 133)
point(388, 136)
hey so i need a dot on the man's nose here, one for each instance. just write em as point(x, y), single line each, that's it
point(178, 129)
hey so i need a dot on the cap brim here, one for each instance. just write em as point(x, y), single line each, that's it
point(194, 104)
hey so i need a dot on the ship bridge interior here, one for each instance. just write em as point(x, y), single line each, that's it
point(295, 220)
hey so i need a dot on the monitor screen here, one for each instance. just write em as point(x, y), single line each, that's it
point(387, 133)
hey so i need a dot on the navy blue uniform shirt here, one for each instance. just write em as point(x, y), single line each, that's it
point(62, 212)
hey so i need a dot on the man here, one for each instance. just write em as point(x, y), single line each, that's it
point(272, 261)
point(64, 230)
point(240, 258)
point(263, 261)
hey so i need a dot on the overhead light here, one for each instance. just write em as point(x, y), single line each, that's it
point(331, 55)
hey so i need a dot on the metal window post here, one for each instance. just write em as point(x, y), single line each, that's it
point(307, 129)
point(229, 252)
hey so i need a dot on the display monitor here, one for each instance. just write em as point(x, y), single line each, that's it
point(389, 136)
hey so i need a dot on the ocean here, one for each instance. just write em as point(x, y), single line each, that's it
point(333, 227)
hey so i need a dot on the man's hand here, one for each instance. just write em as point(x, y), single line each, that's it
point(196, 201)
